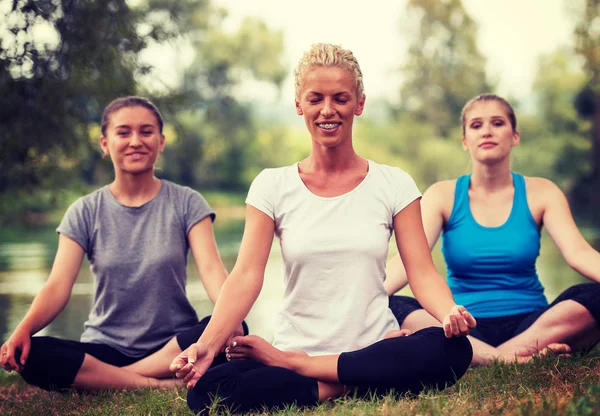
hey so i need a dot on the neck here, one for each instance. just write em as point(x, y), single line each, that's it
point(491, 177)
point(336, 159)
point(135, 190)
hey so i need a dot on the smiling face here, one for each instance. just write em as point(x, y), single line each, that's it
point(133, 140)
point(488, 132)
point(328, 101)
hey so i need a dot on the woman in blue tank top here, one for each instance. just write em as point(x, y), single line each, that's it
point(490, 221)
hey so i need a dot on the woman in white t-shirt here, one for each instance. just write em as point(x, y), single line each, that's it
point(334, 213)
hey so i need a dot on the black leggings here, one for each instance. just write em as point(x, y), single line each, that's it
point(53, 363)
point(495, 331)
point(423, 360)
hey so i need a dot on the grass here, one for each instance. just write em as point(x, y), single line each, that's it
point(547, 386)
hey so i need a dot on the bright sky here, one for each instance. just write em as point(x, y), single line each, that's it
point(512, 34)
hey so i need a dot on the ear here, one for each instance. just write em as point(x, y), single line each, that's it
point(299, 109)
point(162, 143)
point(104, 146)
point(463, 142)
point(516, 138)
point(361, 106)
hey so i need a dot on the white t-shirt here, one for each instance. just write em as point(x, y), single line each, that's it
point(334, 253)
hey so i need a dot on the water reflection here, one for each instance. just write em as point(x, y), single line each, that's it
point(24, 267)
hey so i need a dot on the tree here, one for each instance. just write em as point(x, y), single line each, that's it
point(587, 103)
point(50, 91)
point(215, 131)
point(444, 67)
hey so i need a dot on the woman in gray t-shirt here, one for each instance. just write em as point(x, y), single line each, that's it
point(136, 233)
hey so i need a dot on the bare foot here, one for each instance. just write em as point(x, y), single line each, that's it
point(256, 348)
point(170, 383)
point(395, 333)
point(526, 354)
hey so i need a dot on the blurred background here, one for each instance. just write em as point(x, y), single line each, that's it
point(221, 73)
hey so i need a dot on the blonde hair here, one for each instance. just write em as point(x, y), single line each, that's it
point(327, 54)
point(510, 112)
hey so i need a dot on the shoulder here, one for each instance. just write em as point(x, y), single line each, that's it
point(176, 190)
point(542, 190)
point(440, 194)
point(273, 176)
point(389, 173)
point(90, 201)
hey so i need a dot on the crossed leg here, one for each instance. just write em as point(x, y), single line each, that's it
point(565, 327)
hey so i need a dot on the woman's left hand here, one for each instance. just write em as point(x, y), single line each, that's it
point(458, 322)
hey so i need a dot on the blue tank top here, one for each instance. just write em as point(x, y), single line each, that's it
point(491, 270)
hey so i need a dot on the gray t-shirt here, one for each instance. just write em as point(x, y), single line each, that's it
point(138, 256)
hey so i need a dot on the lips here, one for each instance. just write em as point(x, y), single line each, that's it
point(487, 144)
point(135, 155)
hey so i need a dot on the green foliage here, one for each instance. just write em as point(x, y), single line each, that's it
point(587, 103)
point(444, 67)
point(216, 136)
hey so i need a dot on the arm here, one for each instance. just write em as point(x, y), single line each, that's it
point(238, 294)
point(204, 249)
point(428, 287)
point(47, 304)
point(558, 220)
point(433, 222)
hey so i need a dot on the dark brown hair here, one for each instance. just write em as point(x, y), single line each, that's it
point(131, 101)
point(510, 112)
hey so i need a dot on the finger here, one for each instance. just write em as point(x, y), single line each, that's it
point(471, 322)
point(236, 341)
point(453, 325)
point(447, 328)
point(10, 357)
point(189, 376)
point(463, 328)
point(25, 352)
point(405, 332)
point(192, 383)
point(192, 353)
point(185, 370)
point(460, 309)
point(177, 364)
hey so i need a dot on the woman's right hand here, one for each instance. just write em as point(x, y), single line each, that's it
point(192, 363)
point(458, 322)
point(20, 341)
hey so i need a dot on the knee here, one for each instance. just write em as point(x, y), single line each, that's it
point(50, 365)
point(455, 353)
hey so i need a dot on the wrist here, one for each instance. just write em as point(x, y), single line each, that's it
point(23, 328)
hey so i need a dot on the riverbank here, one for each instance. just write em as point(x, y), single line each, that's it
point(547, 386)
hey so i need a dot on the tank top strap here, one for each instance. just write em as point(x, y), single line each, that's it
point(460, 207)
point(521, 207)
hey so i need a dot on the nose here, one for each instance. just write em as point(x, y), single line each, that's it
point(487, 130)
point(135, 140)
point(327, 110)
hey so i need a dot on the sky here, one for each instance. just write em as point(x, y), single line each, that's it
point(511, 34)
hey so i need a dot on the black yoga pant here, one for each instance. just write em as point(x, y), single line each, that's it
point(495, 331)
point(53, 363)
point(423, 360)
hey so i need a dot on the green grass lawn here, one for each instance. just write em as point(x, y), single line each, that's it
point(547, 386)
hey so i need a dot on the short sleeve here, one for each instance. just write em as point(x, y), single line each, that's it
point(196, 210)
point(406, 190)
point(261, 193)
point(76, 224)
